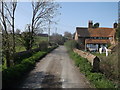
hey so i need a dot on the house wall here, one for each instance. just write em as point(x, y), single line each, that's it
point(94, 60)
point(92, 46)
point(76, 36)
point(95, 46)
point(81, 40)
point(112, 40)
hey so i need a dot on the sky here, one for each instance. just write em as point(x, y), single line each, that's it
point(73, 14)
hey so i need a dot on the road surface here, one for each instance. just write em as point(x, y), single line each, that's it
point(56, 70)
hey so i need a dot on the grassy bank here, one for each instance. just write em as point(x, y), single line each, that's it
point(98, 80)
point(15, 73)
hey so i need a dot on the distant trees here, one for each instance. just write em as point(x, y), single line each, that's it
point(17, 31)
point(57, 38)
point(67, 35)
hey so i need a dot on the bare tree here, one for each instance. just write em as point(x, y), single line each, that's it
point(7, 12)
point(5, 37)
point(11, 7)
point(57, 38)
point(42, 12)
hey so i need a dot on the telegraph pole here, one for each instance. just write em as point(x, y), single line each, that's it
point(119, 12)
point(49, 31)
point(56, 30)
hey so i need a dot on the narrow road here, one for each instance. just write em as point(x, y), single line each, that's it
point(56, 70)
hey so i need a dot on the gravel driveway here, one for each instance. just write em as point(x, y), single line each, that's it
point(56, 70)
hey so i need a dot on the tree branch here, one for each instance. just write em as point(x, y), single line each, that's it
point(8, 10)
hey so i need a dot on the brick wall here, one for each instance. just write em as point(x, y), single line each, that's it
point(94, 60)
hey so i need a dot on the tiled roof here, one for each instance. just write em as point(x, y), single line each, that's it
point(101, 32)
point(98, 41)
point(82, 32)
point(95, 32)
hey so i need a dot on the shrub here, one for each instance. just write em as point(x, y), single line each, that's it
point(18, 57)
point(43, 45)
point(110, 65)
point(103, 83)
point(52, 44)
point(71, 44)
point(95, 76)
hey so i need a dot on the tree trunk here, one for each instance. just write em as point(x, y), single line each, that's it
point(8, 58)
point(5, 39)
point(13, 35)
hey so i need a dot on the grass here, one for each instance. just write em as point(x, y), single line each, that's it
point(110, 65)
point(15, 73)
point(98, 54)
point(38, 39)
point(20, 48)
point(97, 80)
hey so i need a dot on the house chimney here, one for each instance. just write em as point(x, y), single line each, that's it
point(90, 24)
point(115, 25)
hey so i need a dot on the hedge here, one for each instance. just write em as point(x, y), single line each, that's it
point(24, 54)
point(14, 74)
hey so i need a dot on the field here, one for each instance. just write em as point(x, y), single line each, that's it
point(38, 39)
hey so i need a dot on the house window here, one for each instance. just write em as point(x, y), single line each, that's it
point(98, 38)
point(110, 37)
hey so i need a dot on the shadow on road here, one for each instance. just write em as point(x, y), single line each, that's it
point(51, 81)
point(40, 80)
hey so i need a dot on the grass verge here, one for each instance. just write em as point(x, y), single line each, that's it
point(14, 74)
point(98, 80)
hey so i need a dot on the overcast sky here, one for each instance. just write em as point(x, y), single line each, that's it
point(73, 14)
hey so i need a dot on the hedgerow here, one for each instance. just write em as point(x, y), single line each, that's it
point(14, 74)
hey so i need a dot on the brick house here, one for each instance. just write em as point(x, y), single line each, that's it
point(94, 38)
